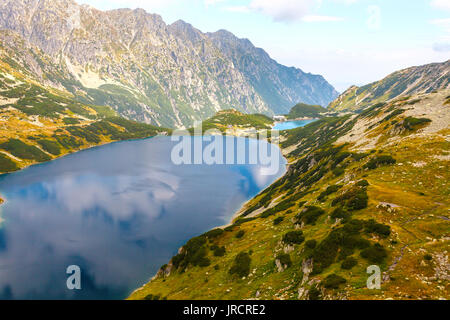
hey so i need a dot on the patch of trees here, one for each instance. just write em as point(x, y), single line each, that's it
point(22, 150)
point(352, 200)
point(50, 146)
point(6, 164)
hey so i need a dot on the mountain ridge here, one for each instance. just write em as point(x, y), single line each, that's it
point(417, 79)
point(167, 75)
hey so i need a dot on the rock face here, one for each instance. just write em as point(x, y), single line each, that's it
point(281, 87)
point(168, 75)
point(414, 80)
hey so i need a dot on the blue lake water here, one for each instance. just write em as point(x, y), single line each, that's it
point(288, 125)
point(118, 211)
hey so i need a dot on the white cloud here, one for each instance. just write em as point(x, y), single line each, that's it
point(441, 4)
point(213, 2)
point(241, 9)
point(287, 10)
point(283, 10)
point(442, 47)
point(314, 18)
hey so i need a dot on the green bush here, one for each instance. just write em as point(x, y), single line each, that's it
point(71, 121)
point(22, 150)
point(342, 241)
point(311, 244)
point(380, 161)
point(333, 281)
point(428, 257)
point(277, 221)
point(240, 234)
point(51, 147)
point(152, 297)
point(349, 263)
point(285, 259)
point(362, 183)
point(341, 213)
point(353, 200)
point(241, 265)
point(314, 294)
point(6, 164)
point(412, 123)
point(219, 251)
point(194, 253)
point(310, 215)
point(213, 233)
point(374, 227)
point(294, 237)
point(374, 254)
point(330, 190)
point(338, 171)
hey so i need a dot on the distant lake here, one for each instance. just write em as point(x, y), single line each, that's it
point(288, 125)
point(118, 211)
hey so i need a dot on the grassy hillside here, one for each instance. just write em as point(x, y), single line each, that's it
point(371, 189)
point(233, 119)
point(38, 124)
point(302, 110)
point(403, 83)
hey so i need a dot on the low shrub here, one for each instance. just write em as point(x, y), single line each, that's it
point(380, 161)
point(373, 227)
point(314, 294)
point(349, 263)
point(330, 190)
point(22, 150)
point(311, 244)
point(285, 259)
point(6, 164)
point(193, 253)
point(353, 200)
point(241, 265)
point(240, 234)
point(411, 123)
point(51, 147)
point(338, 171)
point(219, 251)
point(213, 233)
point(333, 281)
point(374, 254)
point(362, 183)
point(277, 221)
point(310, 215)
point(294, 237)
point(341, 213)
point(428, 257)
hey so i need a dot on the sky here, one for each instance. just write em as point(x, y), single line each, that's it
point(349, 42)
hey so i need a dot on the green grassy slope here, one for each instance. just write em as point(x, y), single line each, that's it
point(233, 119)
point(363, 190)
point(302, 110)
